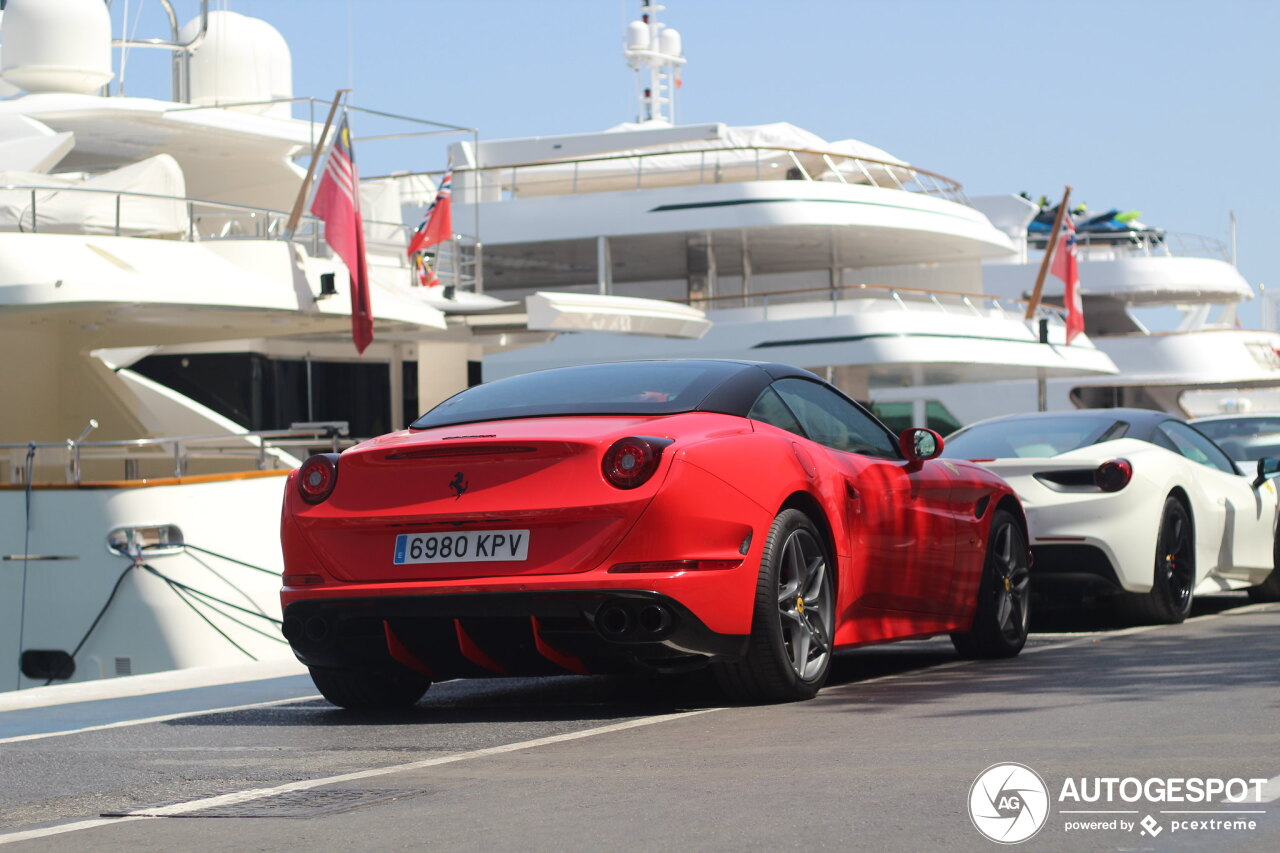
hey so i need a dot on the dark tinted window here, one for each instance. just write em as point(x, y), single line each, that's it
point(770, 409)
point(1238, 427)
point(630, 388)
point(832, 420)
point(1024, 438)
point(1247, 438)
point(1196, 447)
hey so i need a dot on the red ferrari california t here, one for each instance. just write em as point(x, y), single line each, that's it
point(653, 514)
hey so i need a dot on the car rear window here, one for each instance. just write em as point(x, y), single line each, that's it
point(1238, 427)
point(1031, 437)
point(632, 388)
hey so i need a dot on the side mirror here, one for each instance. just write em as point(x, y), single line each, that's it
point(1268, 466)
point(919, 444)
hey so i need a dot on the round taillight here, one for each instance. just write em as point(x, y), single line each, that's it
point(631, 461)
point(1113, 475)
point(317, 477)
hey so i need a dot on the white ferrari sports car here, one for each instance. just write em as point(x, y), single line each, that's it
point(1135, 503)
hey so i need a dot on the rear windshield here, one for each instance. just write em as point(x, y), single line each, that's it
point(632, 388)
point(1031, 437)
point(1244, 439)
point(1238, 427)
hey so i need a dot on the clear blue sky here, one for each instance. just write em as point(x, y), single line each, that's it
point(1163, 106)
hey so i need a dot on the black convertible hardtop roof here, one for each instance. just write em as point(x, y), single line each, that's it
point(728, 386)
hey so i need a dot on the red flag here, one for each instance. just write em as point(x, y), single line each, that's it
point(337, 203)
point(1066, 268)
point(437, 222)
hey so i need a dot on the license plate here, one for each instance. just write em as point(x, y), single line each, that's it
point(469, 546)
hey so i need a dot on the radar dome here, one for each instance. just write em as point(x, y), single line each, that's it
point(637, 36)
point(669, 42)
point(56, 45)
point(241, 60)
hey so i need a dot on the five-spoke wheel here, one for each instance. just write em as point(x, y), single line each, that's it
point(1174, 572)
point(789, 651)
point(1002, 617)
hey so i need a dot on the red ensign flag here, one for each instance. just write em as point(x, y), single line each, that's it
point(437, 223)
point(1066, 268)
point(337, 203)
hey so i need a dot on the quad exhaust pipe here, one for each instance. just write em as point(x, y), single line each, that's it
point(622, 621)
point(314, 630)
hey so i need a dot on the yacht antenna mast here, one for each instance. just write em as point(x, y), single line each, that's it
point(655, 48)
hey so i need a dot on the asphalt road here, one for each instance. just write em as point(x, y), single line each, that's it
point(884, 758)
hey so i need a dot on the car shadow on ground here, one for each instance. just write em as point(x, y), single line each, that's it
point(1108, 615)
point(606, 699)
point(1164, 665)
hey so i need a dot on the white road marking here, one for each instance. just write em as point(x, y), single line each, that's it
point(1270, 791)
point(262, 793)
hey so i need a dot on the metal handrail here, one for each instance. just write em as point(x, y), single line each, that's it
point(268, 224)
point(217, 445)
point(925, 181)
point(1146, 243)
point(924, 294)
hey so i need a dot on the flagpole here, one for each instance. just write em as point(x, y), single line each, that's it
point(301, 200)
point(1034, 303)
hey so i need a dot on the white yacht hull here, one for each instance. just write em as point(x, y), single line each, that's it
point(49, 601)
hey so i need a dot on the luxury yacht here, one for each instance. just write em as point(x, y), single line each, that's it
point(175, 334)
point(1162, 305)
point(831, 255)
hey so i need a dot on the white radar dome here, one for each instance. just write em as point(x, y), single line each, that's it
point(241, 60)
point(637, 35)
point(56, 45)
point(669, 42)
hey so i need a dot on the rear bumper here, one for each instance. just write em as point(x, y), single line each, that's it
point(1074, 570)
point(469, 635)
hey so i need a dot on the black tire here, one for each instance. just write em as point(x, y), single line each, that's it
point(1003, 614)
point(1269, 589)
point(368, 691)
point(1173, 572)
point(789, 651)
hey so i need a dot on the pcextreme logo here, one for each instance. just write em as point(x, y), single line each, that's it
point(1008, 803)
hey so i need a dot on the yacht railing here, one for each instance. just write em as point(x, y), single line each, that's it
point(262, 450)
point(1106, 245)
point(204, 220)
point(696, 166)
point(904, 298)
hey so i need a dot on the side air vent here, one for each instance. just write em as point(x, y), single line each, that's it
point(1071, 480)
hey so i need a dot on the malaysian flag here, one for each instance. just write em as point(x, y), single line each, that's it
point(437, 222)
point(1065, 267)
point(337, 203)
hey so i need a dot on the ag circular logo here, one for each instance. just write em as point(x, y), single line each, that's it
point(1008, 803)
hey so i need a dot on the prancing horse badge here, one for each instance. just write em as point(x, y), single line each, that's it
point(458, 485)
